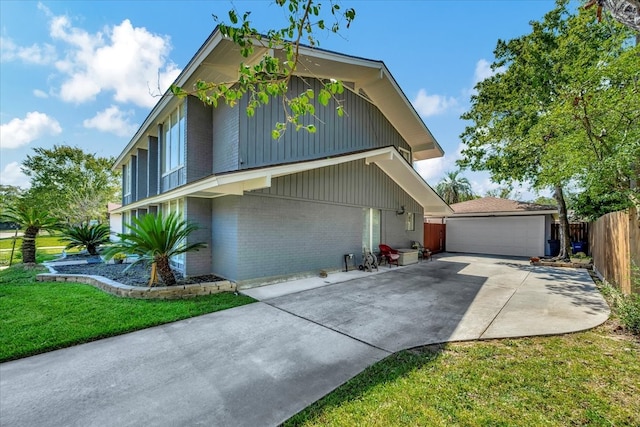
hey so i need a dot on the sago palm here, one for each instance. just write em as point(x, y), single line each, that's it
point(155, 239)
point(89, 236)
point(32, 220)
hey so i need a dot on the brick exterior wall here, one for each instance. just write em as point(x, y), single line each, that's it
point(198, 211)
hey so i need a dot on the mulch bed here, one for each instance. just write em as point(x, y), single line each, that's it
point(136, 275)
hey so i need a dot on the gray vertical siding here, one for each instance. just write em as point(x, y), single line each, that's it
point(363, 127)
point(141, 174)
point(198, 141)
point(352, 183)
point(199, 212)
point(152, 166)
point(225, 138)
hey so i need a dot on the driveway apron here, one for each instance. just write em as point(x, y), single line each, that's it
point(259, 364)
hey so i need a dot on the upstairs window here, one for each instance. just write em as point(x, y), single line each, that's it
point(173, 141)
point(126, 177)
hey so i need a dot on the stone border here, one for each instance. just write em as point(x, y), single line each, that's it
point(138, 292)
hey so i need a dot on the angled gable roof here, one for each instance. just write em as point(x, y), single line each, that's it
point(218, 60)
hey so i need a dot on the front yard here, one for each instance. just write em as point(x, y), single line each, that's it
point(39, 317)
point(587, 378)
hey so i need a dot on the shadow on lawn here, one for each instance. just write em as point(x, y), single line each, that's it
point(388, 370)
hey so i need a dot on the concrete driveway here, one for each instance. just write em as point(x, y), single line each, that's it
point(259, 364)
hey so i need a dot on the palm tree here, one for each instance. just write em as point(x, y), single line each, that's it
point(89, 236)
point(156, 239)
point(453, 188)
point(32, 219)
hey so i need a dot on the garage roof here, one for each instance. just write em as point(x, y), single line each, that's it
point(495, 206)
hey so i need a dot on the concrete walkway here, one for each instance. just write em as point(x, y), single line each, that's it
point(259, 364)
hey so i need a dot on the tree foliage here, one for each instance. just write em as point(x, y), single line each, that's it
point(454, 188)
point(71, 184)
point(562, 108)
point(268, 77)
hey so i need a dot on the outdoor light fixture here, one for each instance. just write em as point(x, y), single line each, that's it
point(400, 211)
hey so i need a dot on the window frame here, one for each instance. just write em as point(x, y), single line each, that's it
point(171, 130)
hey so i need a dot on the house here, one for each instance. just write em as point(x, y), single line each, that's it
point(495, 226)
point(268, 208)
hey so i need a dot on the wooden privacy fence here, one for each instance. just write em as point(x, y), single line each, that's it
point(435, 237)
point(578, 231)
point(615, 247)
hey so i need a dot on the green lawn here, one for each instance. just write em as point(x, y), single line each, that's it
point(37, 317)
point(41, 241)
point(589, 378)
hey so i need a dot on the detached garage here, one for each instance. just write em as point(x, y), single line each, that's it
point(495, 226)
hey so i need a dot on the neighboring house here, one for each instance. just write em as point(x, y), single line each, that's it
point(115, 218)
point(272, 208)
point(495, 226)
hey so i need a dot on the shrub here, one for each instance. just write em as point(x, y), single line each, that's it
point(89, 236)
point(629, 312)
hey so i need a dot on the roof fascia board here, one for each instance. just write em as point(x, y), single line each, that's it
point(492, 214)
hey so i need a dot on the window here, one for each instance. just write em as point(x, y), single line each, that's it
point(175, 206)
point(411, 222)
point(406, 154)
point(126, 177)
point(173, 141)
point(371, 229)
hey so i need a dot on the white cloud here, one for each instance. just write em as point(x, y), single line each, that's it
point(432, 170)
point(430, 105)
point(19, 132)
point(34, 54)
point(112, 120)
point(129, 61)
point(483, 71)
point(40, 93)
point(12, 175)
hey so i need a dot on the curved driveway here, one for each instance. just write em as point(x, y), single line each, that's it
point(259, 364)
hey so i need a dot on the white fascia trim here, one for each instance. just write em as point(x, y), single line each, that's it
point(496, 214)
point(239, 182)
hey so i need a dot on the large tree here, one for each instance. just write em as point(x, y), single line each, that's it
point(520, 128)
point(71, 184)
point(267, 77)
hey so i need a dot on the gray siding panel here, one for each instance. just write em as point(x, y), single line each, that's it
point(198, 141)
point(353, 183)
point(363, 127)
point(152, 166)
point(225, 138)
point(141, 175)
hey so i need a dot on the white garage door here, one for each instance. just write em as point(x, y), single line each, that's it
point(511, 235)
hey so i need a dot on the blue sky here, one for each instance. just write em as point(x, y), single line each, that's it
point(81, 72)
